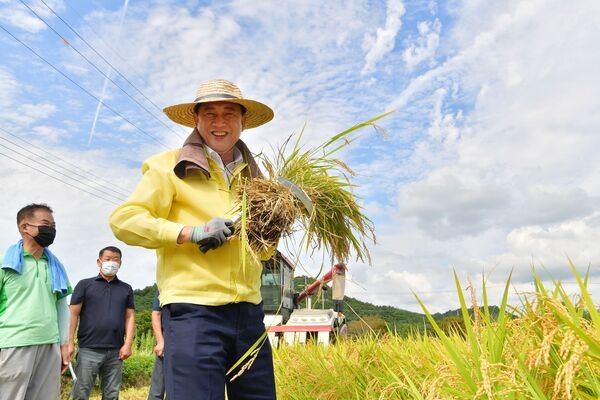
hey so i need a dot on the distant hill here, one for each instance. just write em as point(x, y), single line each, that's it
point(145, 296)
point(493, 310)
point(398, 320)
point(362, 317)
point(354, 310)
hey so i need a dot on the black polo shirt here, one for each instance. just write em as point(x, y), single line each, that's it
point(103, 309)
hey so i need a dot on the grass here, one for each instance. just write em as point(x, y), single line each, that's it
point(547, 347)
point(131, 393)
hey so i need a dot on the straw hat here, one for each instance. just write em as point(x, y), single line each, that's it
point(220, 90)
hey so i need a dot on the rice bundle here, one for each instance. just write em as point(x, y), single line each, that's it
point(270, 210)
point(336, 222)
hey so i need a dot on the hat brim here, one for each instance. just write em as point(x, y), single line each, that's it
point(256, 114)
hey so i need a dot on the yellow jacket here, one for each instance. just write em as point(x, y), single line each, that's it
point(170, 196)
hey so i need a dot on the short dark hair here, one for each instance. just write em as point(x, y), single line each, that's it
point(29, 210)
point(197, 107)
point(110, 248)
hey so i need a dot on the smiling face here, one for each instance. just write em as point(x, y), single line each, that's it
point(220, 125)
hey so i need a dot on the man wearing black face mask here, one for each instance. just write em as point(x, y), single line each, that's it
point(34, 315)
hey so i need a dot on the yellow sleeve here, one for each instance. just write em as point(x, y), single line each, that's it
point(142, 219)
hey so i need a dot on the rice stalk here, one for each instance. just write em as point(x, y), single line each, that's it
point(336, 223)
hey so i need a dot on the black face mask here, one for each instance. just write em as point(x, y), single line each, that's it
point(45, 236)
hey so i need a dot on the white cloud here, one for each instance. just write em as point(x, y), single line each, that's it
point(48, 133)
point(575, 239)
point(23, 17)
point(451, 203)
point(423, 47)
point(445, 126)
point(385, 38)
point(8, 88)
point(29, 114)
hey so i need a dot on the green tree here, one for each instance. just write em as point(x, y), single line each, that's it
point(368, 325)
point(453, 325)
point(143, 323)
point(144, 298)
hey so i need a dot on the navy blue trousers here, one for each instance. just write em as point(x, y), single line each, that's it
point(203, 342)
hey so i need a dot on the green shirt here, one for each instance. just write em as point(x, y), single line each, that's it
point(27, 305)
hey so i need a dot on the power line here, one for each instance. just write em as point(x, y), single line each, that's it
point(95, 66)
point(52, 166)
point(75, 171)
point(83, 89)
point(102, 57)
point(116, 53)
point(57, 178)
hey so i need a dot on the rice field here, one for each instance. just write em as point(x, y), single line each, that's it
point(547, 347)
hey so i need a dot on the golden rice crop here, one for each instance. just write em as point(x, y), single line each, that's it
point(336, 222)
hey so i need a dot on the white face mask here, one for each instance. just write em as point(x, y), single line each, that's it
point(110, 268)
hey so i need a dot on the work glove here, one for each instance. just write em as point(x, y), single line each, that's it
point(212, 234)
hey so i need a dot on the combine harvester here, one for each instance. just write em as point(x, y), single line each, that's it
point(284, 320)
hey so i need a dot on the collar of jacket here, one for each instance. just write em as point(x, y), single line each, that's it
point(193, 157)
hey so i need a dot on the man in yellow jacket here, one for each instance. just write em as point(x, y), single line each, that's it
point(211, 303)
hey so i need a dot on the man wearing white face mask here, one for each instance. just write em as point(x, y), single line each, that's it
point(104, 307)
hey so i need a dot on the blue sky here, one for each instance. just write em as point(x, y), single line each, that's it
point(489, 163)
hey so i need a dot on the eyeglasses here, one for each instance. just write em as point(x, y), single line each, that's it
point(38, 226)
